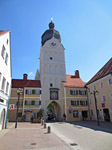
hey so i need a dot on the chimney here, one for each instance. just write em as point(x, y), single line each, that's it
point(25, 76)
point(77, 74)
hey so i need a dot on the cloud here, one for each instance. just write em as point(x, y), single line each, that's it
point(30, 74)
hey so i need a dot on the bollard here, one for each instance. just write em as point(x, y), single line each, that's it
point(44, 125)
point(49, 129)
point(42, 122)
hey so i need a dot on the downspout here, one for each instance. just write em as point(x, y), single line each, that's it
point(65, 103)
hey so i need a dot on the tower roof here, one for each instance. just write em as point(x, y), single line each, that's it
point(51, 32)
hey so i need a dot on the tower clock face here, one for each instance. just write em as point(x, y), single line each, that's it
point(53, 44)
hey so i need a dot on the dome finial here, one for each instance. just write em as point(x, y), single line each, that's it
point(51, 24)
point(51, 19)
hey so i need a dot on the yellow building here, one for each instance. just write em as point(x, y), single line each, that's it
point(30, 99)
point(101, 85)
point(75, 104)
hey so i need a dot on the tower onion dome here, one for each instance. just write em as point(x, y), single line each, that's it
point(51, 32)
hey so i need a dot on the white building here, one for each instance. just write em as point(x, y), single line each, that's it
point(52, 70)
point(5, 75)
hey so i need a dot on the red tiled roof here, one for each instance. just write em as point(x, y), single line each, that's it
point(105, 70)
point(20, 83)
point(4, 32)
point(72, 81)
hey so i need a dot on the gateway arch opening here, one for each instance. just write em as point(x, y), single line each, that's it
point(53, 111)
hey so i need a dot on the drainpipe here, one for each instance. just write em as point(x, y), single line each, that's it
point(65, 102)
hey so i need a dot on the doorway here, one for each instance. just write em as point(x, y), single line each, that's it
point(84, 115)
point(106, 114)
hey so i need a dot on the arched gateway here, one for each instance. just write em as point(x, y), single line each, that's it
point(54, 109)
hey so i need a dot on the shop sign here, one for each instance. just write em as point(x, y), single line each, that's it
point(11, 106)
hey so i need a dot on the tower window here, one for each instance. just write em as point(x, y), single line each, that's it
point(51, 58)
point(51, 85)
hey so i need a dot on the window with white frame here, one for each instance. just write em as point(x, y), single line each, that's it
point(3, 51)
point(35, 114)
point(6, 58)
point(103, 98)
point(7, 87)
point(28, 91)
point(3, 83)
point(110, 81)
point(37, 91)
point(111, 96)
point(101, 85)
point(94, 87)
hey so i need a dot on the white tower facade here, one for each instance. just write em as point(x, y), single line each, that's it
point(52, 70)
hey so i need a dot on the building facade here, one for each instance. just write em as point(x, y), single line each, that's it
point(5, 76)
point(101, 84)
point(75, 103)
point(52, 70)
point(30, 99)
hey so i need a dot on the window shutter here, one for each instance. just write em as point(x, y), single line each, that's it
point(71, 92)
point(26, 91)
point(77, 102)
point(33, 91)
point(40, 91)
point(39, 102)
point(72, 102)
point(25, 102)
point(76, 92)
point(32, 102)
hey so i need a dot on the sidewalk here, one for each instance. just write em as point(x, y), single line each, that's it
point(29, 136)
point(104, 126)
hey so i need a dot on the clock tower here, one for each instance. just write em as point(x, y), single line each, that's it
point(52, 70)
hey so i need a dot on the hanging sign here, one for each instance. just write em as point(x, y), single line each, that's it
point(11, 106)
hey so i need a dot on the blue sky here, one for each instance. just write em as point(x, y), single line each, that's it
point(85, 27)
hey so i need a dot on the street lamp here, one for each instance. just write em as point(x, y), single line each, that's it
point(94, 93)
point(18, 93)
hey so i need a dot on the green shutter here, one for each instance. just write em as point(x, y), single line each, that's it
point(32, 102)
point(71, 92)
point(39, 102)
point(72, 102)
point(85, 92)
point(40, 91)
point(26, 91)
point(19, 114)
point(25, 102)
point(33, 91)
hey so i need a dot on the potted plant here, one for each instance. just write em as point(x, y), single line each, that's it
point(40, 114)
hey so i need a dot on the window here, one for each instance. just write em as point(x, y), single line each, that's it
point(83, 103)
point(89, 101)
point(82, 92)
point(19, 114)
point(110, 81)
point(103, 98)
point(28, 102)
point(111, 96)
point(3, 83)
point(51, 58)
point(0, 76)
point(73, 92)
point(51, 85)
point(94, 87)
point(75, 114)
point(7, 87)
point(6, 58)
point(35, 114)
point(75, 103)
point(19, 104)
point(101, 85)
point(7, 41)
point(28, 91)
point(37, 92)
point(3, 51)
